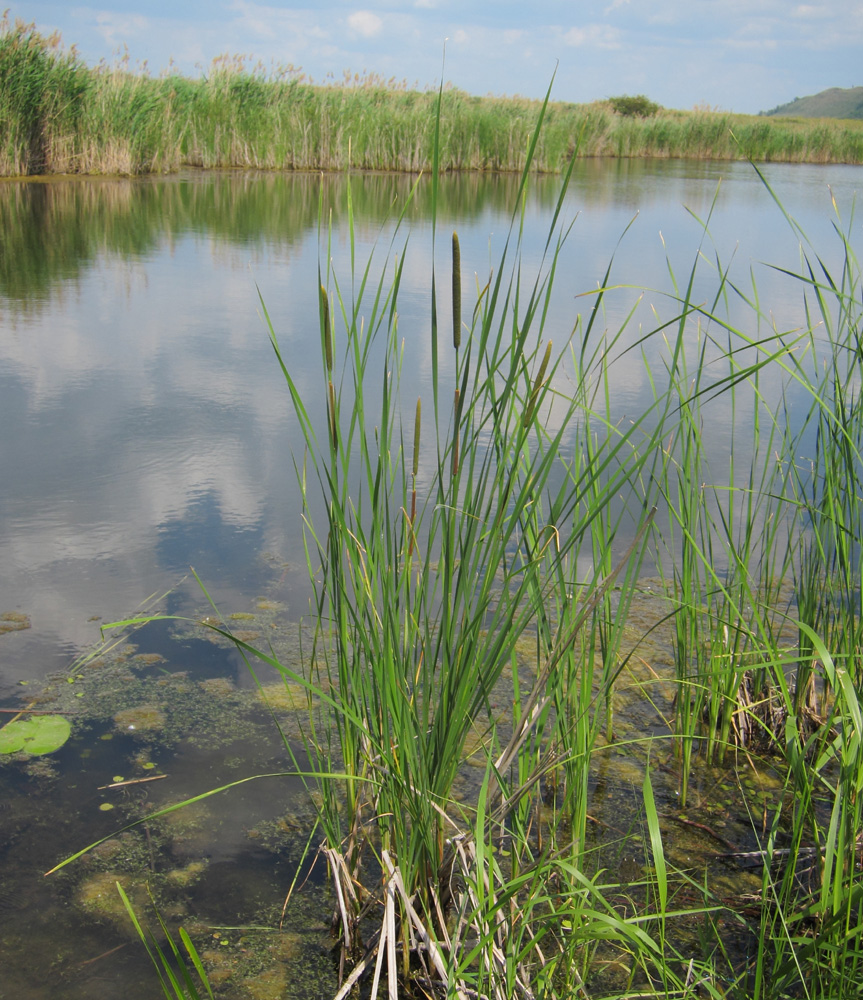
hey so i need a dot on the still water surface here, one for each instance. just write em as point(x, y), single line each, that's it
point(145, 424)
point(146, 427)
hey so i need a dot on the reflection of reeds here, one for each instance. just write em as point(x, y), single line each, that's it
point(55, 228)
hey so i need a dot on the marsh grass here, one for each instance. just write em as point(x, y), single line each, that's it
point(512, 507)
point(58, 115)
point(520, 490)
point(421, 612)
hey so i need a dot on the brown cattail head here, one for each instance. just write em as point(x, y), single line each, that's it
point(417, 422)
point(456, 292)
point(537, 385)
point(325, 329)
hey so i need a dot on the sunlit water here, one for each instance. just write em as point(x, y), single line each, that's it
point(146, 429)
point(146, 426)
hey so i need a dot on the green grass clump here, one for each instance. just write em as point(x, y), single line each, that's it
point(420, 614)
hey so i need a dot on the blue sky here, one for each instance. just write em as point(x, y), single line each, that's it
point(740, 55)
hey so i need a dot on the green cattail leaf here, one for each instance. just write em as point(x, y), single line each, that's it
point(456, 292)
point(325, 328)
point(331, 407)
point(456, 411)
point(417, 423)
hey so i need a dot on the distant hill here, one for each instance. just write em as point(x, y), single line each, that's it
point(833, 103)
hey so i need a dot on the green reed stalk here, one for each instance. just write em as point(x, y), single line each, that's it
point(174, 976)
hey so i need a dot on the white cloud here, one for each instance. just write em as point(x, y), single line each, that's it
point(596, 35)
point(116, 30)
point(365, 23)
point(753, 44)
point(460, 37)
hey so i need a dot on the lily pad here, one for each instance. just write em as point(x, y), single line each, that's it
point(37, 735)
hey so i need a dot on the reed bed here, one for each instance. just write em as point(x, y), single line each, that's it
point(513, 510)
point(506, 511)
point(59, 116)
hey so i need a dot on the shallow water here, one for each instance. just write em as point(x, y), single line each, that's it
point(146, 425)
point(147, 429)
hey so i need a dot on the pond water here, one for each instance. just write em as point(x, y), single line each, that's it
point(146, 429)
point(146, 426)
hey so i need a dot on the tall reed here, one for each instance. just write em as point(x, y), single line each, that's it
point(60, 116)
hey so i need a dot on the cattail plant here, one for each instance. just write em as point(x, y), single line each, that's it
point(327, 337)
point(456, 343)
point(537, 386)
point(456, 292)
point(414, 471)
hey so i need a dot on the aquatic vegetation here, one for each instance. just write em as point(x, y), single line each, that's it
point(97, 897)
point(420, 613)
point(187, 874)
point(531, 605)
point(35, 735)
point(140, 720)
point(269, 985)
point(219, 687)
point(174, 975)
point(63, 117)
point(285, 696)
point(13, 621)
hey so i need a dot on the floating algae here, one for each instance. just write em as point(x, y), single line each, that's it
point(269, 985)
point(98, 897)
point(13, 621)
point(286, 696)
point(141, 720)
point(187, 874)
